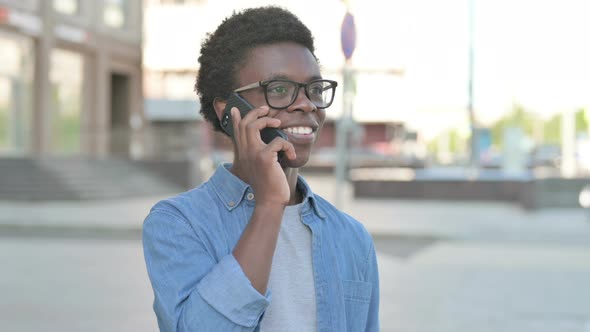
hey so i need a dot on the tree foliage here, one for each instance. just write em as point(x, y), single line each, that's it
point(528, 122)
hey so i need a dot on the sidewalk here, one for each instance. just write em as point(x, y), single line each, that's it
point(444, 266)
point(120, 215)
point(451, 220)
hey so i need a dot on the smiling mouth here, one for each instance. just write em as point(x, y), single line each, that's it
point(299, 130)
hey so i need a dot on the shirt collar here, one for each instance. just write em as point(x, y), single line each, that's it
point(231, 190)
point(309, 197)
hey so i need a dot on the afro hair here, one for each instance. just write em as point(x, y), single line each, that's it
point(225, 50)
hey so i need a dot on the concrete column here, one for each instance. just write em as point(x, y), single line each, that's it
point(42, 87)
point(87, 130)
point(102, 106)
point(135, 111)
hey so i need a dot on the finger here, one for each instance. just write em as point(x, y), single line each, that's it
point(239, 134)
point(256, 113)
point(279, 144)
point(251, 116)
point(236, 117)
point(253, 128)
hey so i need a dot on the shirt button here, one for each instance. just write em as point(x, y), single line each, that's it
point(232, 203)
point(250, 196)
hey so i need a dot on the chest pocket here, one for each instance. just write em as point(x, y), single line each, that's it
point(357, 296)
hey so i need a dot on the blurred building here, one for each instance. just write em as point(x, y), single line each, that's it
point(174, 127)
point(173, 33)
point(70, 78)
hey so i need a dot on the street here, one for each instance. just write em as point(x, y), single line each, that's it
point(97, 284)
point(69, 284)
point(487, 287)
point(444, 266)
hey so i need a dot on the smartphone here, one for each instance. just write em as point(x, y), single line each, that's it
point(235, 100)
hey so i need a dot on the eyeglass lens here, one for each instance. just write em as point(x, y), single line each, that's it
point(282, 93)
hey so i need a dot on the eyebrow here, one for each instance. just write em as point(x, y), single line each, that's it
point(280, 76)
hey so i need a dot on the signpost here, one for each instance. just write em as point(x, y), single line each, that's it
point(348, 36)
point(348, 41)
point(474, 151)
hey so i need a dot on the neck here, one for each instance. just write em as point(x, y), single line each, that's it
point(292, 173)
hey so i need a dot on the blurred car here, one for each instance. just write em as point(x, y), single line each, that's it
point(546, 155)
point(491, 159)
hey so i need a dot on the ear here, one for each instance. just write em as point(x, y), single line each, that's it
point(219, 106)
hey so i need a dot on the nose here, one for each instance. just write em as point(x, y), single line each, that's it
point(302, 103)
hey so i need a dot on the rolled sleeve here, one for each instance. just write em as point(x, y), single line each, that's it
point(227, 289)
point(193, 291)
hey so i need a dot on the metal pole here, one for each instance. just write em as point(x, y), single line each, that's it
point(342, 129)
point(474, 149)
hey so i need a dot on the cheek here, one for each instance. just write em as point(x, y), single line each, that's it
point(321, 119)
point(258, 102)
point(319, 131)
point(255, 99)
point(320, 127)
point(273, 113)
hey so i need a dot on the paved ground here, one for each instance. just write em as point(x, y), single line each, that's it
point(67, 284)
point(488, 287)
point(444, 266)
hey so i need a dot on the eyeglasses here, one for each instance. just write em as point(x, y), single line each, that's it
point(281, 93)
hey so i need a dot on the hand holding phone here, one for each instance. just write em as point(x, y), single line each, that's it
point(266, 134)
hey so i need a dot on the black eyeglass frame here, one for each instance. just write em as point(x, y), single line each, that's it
point(264, 84)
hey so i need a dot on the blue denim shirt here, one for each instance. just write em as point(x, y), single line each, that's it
point(199, 286)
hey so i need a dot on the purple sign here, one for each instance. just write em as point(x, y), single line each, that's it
point(348, 35)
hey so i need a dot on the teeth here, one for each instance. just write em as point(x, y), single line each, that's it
point(299, 130)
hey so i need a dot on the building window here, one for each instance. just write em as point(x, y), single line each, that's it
point(66, 7)
point(169, 85)
point(66, 77)
point(115, 13)
point(16, 72)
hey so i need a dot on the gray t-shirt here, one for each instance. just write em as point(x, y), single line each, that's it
point(293, 302)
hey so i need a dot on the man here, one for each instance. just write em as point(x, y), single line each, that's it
point(253, 248)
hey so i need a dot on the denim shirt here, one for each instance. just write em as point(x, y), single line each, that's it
point(199, 286)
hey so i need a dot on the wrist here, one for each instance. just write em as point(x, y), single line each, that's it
point(270, 208)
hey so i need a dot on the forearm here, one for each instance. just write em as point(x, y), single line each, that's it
point(255, 249)
point(193, 291)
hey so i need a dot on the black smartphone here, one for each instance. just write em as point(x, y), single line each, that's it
point(235, 100)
